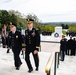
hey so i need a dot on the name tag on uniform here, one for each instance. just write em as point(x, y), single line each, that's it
point(16, 36)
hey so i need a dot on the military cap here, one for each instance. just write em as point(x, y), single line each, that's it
point(12, 24)
point(29, 20)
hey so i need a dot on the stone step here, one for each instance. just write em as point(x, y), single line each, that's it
point(68, 66)
point(7, 64)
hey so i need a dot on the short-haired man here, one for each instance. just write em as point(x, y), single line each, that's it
point(16, 41)
point(32, 42)
point(63, 43)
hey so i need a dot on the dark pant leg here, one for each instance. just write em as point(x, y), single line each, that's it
point(36, 59)
point(66, 51)
point(27, 59)
point(62, 55)
point(75, 51)
point(71, 51)
point(3, 42)
point(17, 60)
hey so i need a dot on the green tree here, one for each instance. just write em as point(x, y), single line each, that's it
point(20, 20)
point(48, 28)
point(72, 28)
point(13, 18)
point(66, 26)
point(4, 17)
point(37, 23)
point(63, 26)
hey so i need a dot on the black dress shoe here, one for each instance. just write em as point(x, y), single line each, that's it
point(17, 68)
point(30, 70)
point(61, 60)
point(4, 47)
point(36, 69)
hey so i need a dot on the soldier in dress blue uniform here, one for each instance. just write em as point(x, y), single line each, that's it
point(16, 41)
point(32, 43)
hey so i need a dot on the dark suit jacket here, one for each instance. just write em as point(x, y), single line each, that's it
point(63, 44)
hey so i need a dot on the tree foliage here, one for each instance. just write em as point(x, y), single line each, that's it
point(72, 28)
point(48, 28)
point(4, 17)
point(12, 16)
point(16, 17)
point(36, 20)
point(64, 26)
point(20, 19)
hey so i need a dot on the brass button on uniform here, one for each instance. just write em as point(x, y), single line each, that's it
point(29, 41)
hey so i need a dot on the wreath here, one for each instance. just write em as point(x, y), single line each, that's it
point(56, 35)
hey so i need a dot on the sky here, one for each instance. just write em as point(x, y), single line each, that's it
point(45, 10)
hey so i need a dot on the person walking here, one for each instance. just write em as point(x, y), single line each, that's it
point(63, 47)
point(17, 43)
point(32, 42)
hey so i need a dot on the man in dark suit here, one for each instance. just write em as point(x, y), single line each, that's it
point(63, 43)
point(32, 42)
point(74, 46)
point(70, 45)
point(16, 41)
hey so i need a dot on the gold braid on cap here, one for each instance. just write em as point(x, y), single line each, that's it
point(10, 23)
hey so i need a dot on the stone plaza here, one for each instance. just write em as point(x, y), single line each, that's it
point(67, 67)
